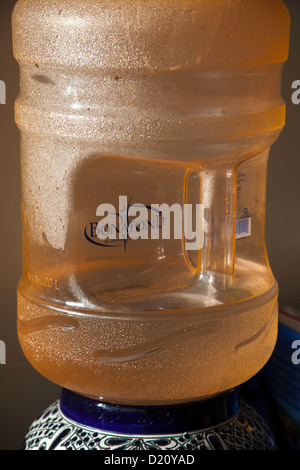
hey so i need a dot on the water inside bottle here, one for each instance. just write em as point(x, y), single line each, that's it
point(128, 317)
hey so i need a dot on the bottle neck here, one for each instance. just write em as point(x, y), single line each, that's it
point(149, 420)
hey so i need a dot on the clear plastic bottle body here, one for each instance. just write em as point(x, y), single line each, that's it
point(147, 316)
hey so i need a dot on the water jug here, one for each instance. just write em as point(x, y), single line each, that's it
point(145, 131)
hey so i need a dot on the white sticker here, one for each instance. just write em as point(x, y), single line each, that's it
point(243, 228)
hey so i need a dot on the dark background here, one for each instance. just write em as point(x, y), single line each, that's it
point(24, 393)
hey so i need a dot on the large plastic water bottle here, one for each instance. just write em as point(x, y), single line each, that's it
point(145, 134)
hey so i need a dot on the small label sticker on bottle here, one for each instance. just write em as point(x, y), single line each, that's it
point(243, 228)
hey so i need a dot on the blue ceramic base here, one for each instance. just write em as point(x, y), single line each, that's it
point(79, 423)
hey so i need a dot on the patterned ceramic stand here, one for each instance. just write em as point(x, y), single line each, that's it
point(78, 423)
